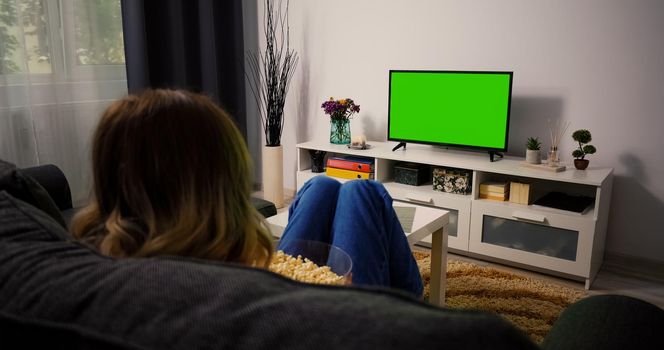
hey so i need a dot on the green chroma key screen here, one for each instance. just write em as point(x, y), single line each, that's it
point(448, 107)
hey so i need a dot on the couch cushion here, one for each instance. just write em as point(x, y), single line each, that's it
point(53, 180)
point(28, 190)
point(36, 334)
point(608, 322)
point(179, 303)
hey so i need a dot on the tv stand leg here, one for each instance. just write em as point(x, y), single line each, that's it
point(401, 144)
point(494, 153)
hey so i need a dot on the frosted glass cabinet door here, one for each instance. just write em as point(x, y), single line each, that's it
point(457, 205)
point(534, 238)
point(558, 242)
point(453, 225)
point(457, 237)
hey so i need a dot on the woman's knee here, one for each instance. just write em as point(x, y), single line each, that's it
point(367, 188)
point(323, 185)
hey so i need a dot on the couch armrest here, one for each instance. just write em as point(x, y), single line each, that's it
point(55, 183)
point(607, 322)
point(53, 180)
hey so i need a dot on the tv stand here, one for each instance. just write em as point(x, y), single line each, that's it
point(401, 144)
point(494, 153)
point(549, 240)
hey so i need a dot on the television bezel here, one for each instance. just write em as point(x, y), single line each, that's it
point(507, 121)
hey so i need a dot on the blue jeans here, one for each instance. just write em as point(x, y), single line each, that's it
point(357, 217)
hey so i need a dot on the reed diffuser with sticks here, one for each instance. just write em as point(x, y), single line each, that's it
point(556, 132)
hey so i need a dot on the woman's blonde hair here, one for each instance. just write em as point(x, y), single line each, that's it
point(172, 176)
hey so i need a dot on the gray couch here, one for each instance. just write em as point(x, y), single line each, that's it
point(54, 182)
point(58, 293)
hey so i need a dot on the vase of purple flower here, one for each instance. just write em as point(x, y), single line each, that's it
point(340, 112)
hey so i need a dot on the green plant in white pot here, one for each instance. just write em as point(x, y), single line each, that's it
point(533, 146)
point(582, 136)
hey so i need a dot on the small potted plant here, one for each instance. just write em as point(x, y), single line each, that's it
point(582, 136)
point(533, 150)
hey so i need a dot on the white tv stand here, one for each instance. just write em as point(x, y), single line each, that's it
point(553, 241)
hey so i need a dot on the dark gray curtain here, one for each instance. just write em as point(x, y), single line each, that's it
point(187, 44)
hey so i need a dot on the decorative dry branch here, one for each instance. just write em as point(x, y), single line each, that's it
point(270, 72)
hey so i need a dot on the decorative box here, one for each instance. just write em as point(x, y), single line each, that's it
point(452, 180)
point(521, 193)
point(412, 173)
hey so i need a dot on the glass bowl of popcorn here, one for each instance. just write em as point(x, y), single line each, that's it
point(312, 262)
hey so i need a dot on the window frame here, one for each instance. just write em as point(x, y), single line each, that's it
point(73, 71)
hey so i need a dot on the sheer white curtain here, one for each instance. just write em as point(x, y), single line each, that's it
point(61, 64)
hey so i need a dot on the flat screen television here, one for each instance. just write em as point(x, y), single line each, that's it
point(467, 109)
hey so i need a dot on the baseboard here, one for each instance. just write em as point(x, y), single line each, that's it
point(633, 266)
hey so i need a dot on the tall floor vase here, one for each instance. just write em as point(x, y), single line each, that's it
point(273, 175)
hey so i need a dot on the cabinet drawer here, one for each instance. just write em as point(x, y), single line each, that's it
point(457, 230)
point(560, 242)
point(457, 205)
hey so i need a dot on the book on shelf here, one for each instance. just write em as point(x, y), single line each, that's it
point(494, 196)
point(348, 174)
point(351, 163)
point(495, 187)
point(495, 193)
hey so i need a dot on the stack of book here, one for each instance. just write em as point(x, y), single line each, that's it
point(498, 191)
point(350, 167)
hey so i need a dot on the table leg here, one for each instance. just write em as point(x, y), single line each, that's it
point(438, 267)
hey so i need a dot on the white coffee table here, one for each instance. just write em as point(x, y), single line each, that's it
point(426, 221)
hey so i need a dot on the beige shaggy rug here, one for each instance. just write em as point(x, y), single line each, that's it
point(530, 304)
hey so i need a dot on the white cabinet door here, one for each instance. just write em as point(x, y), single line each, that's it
point(554, 241)
point(457, 205)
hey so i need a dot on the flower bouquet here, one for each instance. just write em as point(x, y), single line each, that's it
point(340, 112)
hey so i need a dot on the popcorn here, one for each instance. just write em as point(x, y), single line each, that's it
point(303, 270)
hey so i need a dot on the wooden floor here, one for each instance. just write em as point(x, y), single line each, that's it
point(624, 277)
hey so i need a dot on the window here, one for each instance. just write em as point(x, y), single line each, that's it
point(61, 64)
point(87, 36)
point(98, 32)
point(24, 40)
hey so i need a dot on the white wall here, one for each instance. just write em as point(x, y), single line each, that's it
point(596, 63)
